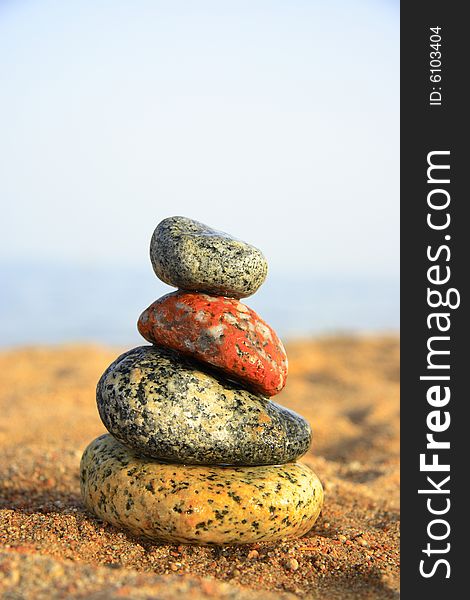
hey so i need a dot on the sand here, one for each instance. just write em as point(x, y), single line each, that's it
point(50, 547)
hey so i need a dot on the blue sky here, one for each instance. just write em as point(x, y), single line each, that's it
point(275, 121)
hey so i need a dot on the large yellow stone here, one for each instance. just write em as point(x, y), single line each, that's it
point(198, 504)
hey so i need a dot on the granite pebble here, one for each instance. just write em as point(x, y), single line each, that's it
point(192, 256)
point(194, 504)
point(175, 409)
point(222, 332)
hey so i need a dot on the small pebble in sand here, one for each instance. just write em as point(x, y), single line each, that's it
point(362, 542)
point(291, 564)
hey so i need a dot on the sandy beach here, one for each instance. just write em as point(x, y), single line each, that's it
point(51, 547)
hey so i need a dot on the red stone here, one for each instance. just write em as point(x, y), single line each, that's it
point(222, 332)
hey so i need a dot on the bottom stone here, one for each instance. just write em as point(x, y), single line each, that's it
point(196, 504)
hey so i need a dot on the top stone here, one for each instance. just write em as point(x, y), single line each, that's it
point(191, 256)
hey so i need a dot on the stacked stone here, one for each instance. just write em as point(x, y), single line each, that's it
point(197, 452)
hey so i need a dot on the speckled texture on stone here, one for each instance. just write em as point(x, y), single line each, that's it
point(194, 504)
point(222, 332)
point(167, 407)
point(192, 256)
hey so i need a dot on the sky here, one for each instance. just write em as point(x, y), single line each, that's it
point(275, 121)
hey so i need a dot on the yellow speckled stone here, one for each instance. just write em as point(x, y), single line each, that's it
point(198, 504)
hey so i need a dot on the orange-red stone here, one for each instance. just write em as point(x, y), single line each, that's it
point(222, 332)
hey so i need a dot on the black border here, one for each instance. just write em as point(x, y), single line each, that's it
point(425, 128)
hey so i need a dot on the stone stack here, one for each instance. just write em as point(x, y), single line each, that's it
point(197, 451)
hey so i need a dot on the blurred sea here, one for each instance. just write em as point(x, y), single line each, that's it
point(48, 304)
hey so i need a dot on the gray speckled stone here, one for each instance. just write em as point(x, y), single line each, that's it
point(166, 407)
point(192, 256)
point(195, 504)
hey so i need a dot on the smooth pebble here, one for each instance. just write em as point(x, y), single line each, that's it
point(173, 408)
point(192, 256)
point(222, 332)
point(194, 504)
